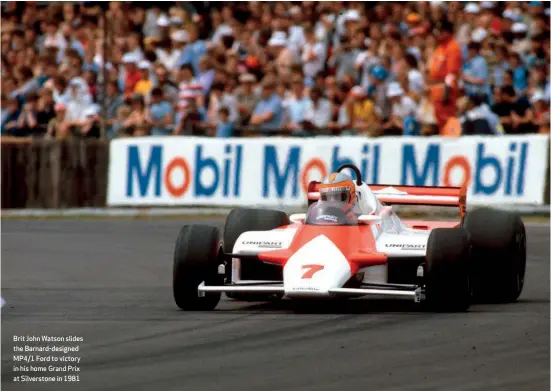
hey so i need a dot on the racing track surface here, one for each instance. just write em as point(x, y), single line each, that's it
point(110, 283)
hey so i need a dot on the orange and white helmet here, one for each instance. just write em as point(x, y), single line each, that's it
point(338, 187)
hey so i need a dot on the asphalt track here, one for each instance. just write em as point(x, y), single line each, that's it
point(110, 283)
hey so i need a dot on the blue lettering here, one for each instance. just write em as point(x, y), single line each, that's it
point(370, 163)
point(375, 164)
point(134, 167)
point(237, 175)
point(336, 162)
point(365, 163)
point(510, 165)
point(481, 163)
point(432, 160)
point(201, 164)
point(227, 162)
point(521, 168)
point(280, 179)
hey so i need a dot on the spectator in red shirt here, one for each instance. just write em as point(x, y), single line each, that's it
point(444, 68)
point(132, 74)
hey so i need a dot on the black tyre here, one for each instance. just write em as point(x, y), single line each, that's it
point(197, 256)
point(245, 219)
point(498, 252)
point(447, 274)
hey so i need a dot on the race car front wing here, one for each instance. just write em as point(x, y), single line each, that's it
point(397, 291)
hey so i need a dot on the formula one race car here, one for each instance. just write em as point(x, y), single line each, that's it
point(343, 248)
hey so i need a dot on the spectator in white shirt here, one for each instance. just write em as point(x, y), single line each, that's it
point(172, 51)
point(219, 99)
point(220, 28)
point(284, 58)
point(312, 56)
point(366, 60)
point(521, 43)
point(416, 82)
point(78, 104)
point(296, 31)
point(62, 93)
point(53, 36)
point(402, 107)
point(134, 47)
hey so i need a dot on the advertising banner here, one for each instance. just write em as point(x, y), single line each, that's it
point(166, 171)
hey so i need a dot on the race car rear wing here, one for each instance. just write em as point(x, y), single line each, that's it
point(409, 195)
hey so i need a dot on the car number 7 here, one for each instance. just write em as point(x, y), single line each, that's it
point(311, 270)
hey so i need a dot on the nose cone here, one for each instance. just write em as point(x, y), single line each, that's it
point(315, 268)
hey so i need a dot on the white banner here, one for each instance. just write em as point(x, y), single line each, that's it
point(275, 171)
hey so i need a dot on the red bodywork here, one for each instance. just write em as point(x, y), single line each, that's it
point(357, 243)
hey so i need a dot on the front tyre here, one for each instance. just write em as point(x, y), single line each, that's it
point(447, 271)
point(247, 219)
point(197, 255)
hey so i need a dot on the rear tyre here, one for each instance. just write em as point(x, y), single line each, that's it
point(498, 253)
point(197, 256)
point(447, 274)
point(245, 219)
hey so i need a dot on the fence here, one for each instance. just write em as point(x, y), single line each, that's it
point(38, 173)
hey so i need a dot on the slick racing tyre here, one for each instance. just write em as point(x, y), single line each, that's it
point(498, 252)
point(197, 256)
point(245, 219)
point(447, 274)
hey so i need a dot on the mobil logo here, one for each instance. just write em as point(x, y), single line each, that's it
point(486, 168)
point(296, 165)
point(172, 171)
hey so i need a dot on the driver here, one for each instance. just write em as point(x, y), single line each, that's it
point(339, 188)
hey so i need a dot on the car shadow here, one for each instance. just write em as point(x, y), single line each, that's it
point(351, 306)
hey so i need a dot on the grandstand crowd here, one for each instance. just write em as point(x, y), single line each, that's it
point(274, 68)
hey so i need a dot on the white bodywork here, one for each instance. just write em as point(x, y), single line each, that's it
point(319, 251)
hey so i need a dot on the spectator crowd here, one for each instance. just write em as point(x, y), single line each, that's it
point(274, 68)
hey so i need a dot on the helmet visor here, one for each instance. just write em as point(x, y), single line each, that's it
point(336, 195)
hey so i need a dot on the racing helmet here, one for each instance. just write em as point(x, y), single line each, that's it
point(338, 187)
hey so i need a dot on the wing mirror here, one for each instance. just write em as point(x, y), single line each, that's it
point(297, 218)
point(369, 219)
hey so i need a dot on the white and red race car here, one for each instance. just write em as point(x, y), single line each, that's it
point(323, 253)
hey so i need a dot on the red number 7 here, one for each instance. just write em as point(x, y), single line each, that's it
point(312, 269)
